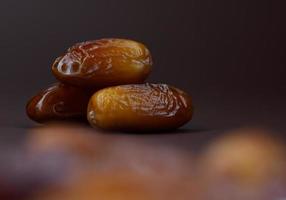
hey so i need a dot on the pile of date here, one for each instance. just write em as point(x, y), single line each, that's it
point(102, 81)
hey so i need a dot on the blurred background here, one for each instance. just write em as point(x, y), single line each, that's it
point(228, 54)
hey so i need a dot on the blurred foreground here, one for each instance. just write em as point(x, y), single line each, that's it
point(72, 162)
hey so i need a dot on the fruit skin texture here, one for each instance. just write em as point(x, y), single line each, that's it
point(59, 102)
point(103, 63)
point(141, 107)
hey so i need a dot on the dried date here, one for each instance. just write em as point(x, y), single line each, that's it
point(59, 102)
point(102, 63)
point(140, 107)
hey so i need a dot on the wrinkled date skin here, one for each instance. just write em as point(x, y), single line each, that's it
point(103, 63)
point(140, 107)
point(59, 102)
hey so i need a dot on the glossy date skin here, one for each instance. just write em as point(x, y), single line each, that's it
point(59, 102)
point(140, 107)
point(103, 63)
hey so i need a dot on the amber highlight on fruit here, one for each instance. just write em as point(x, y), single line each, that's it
point(102, 63)
point(59, 102)
point(140, 107)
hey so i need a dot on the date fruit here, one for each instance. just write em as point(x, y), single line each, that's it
point(245, 158)
point(140, 107)
point(59, 102)
point(103, 63)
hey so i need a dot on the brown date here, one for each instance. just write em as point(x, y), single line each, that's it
point(140, 107)
point(246, 157)
point(102, 63)
point(59, 102)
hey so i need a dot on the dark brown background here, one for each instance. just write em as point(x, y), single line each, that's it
point(229, 54)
